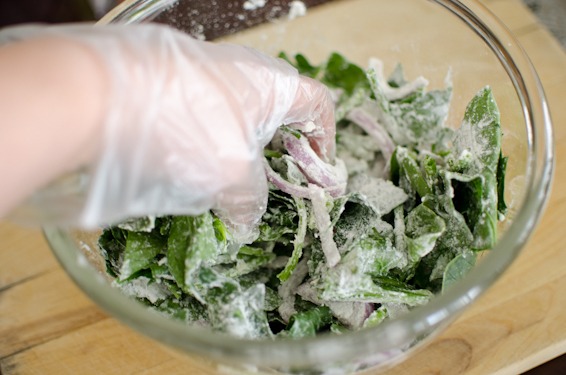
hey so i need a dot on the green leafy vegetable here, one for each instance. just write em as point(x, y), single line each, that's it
point(298, 242)
point(479, 140)
point(340, 73)
point(112, 243)
point(501, 168)
point(400, 215)
point(423, 228)
point(458, 268)
point(141, 249)
point(309, 322)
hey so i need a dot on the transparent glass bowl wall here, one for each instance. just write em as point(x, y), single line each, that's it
point(430, 38)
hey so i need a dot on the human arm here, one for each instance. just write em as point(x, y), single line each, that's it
point(175, 126)
point(49, 123)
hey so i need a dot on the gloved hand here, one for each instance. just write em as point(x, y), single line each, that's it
point(186, 122)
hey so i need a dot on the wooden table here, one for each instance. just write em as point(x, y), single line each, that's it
point(47, 326)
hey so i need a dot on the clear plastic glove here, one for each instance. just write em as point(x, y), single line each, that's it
point(186, 123)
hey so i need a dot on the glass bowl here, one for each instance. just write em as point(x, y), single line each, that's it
point(430, 38)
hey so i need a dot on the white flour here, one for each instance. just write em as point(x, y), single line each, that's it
point(254, 4)
point(297, 9)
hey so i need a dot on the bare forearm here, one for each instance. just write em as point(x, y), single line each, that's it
point(51, 103)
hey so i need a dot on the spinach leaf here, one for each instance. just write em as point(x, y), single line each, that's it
point(141, 249)
point(248, 259)
point(376, 317)
point(480, 133)
point(302, 64)
point(422, 117)
point(374, 254)
point(231, 308)
point(309, 322)
point(409, 169)
point(479, 139)
point(356, 221)
point(339, 72)
point(112, 243)
point(298, 242)
point(458, 268)
point(280, 221)
point(423, 228)
point(192, 242)
point(362, 288)
point(186, 309)
point(501, 170)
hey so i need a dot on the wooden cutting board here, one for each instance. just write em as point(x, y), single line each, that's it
point(47, 326)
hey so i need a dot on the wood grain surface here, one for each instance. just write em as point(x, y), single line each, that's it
point(47, 326)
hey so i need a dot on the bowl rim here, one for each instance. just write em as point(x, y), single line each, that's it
point(390, 334)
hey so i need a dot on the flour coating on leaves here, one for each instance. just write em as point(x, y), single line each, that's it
point(398, 216)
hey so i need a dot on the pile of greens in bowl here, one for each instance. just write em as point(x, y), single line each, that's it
point(399, 216)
